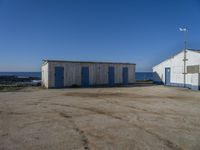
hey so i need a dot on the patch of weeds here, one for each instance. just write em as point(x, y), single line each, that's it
point(74, 86)
point(10, 88)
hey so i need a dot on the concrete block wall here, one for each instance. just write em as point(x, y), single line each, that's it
point(177, 68)
point(195, 81)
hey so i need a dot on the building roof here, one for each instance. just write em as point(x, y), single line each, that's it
point(91, 62)
point(193, 50)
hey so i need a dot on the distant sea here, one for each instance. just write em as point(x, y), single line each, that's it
point(139, 75)
point(21, 74)
point(144, 76)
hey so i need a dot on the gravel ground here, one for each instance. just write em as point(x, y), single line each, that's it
point(135, 118)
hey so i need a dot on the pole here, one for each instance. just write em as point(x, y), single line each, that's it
point(185, 42)
point(185, 58)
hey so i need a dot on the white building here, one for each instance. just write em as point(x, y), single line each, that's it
point(58, 74)
point(171, 71)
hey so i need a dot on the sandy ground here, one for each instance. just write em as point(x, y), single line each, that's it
point(135, 118)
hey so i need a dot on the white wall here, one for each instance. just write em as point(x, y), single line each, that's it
point(45, 76)
point(177, 68)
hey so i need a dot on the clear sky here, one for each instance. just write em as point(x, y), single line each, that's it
point(144, 32)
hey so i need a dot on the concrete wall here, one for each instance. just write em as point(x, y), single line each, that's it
point(177, 68)
point(98, 73)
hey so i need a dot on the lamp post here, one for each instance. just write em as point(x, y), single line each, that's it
point(184, 30)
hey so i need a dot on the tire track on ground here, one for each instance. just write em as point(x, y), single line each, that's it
point(81, 132)
point(165, 141)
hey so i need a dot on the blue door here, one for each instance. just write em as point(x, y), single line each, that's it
point(167, 76)
point(125, 75)
point(59, 77)
point(111, 76)
point(85, 77)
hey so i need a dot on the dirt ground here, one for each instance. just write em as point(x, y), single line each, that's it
point(129, 118)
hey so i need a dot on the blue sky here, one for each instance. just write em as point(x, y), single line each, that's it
point(144, 32)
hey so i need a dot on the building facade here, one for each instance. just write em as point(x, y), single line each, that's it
point(59, 74)
point(171, 71)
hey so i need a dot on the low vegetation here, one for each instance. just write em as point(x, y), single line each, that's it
point(10, 88)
